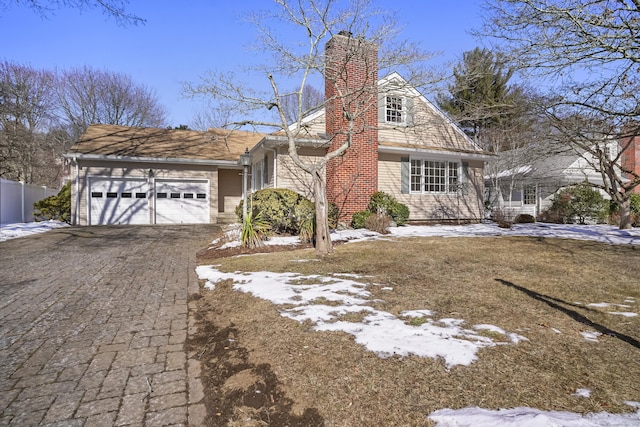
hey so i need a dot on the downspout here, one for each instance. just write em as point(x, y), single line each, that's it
point(76, 220)
point(275, 167)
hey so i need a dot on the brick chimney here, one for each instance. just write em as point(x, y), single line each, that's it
point(630, 158)
point(351, 66)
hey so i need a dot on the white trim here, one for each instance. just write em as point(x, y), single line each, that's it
point(403, 111)
point(435, 153)
point(447, 176)
point(129, 159)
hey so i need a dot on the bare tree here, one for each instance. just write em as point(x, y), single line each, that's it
point(589, 53)
point(45, 8)
point(311, 99)
point(301, 61)
point(87, 96)
point(27, 107)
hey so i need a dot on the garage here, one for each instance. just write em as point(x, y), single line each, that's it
point(181, 201)
point(118, 201)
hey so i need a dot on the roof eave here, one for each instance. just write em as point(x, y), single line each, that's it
point(272, 141)
point(464, 154)
point(151, 160)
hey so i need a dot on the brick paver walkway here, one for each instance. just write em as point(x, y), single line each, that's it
point(93, 323)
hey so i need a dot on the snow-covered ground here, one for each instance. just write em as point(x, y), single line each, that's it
point(599, 233)
point(421, 332)
point(13, 231)
point(418, 332)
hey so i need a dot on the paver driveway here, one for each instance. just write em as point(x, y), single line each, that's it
point(93, 323)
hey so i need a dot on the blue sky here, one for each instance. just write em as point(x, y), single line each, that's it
point(182, 40)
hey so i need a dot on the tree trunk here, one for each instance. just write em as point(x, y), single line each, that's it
point(323, 238)
point(625, 214)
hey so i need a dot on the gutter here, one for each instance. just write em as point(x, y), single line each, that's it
point(440, 153)
point(174, 160)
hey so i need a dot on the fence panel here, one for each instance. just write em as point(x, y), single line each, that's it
point(17, 199)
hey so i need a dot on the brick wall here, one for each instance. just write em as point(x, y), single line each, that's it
point(352, 68)
point(631, 156)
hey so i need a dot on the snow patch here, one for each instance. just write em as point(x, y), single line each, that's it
point(529, 417)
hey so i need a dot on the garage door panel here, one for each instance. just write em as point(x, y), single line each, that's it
point(118, 201)
point(182, 202)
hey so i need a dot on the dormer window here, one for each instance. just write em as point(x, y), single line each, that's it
point(395, 111)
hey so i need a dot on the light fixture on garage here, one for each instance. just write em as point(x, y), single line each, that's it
point(245, 160)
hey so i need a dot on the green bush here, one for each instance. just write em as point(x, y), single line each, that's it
point(56, 207)
point(384, 203)
point(254, 229)
point(578, 202)
point(635, 203)
point(287, 212)
point(359, 219)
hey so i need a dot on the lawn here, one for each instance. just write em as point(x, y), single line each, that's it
point(492, 322)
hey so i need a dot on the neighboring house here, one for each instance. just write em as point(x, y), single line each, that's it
point(410, 150)
point(516, 186)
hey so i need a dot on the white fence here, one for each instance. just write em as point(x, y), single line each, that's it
point(17, 199)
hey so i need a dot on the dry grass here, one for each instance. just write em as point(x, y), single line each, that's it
point(525, 285)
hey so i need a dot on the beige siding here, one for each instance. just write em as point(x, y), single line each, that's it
point(429, 207)
point(292, 177)
point(429, 129)
point(229, 189)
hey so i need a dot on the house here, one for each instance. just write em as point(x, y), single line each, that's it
point(408, 148)
point(523, 182)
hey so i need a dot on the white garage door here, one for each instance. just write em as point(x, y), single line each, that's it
point(182, 202)
point(118, 201)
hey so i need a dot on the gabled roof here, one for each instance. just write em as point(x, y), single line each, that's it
point(446, 129)
point(112, 142)
point(419, 138)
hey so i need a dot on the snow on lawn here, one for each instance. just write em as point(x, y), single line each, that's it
point(13, 231)
point(529, 417)
point(419, 332)
point(599, 233)
point(378, 331)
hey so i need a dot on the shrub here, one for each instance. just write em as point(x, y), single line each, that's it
point(579, 202)
point(254, 229)
point(634, 207)
point(334, 215)
point(379, 222)
point(359, 219)
point(288, 212)
point(277, 207)
point(501, 219)
point(524, 219)
point(56, 207)
point(635, 203)
point(384, 203)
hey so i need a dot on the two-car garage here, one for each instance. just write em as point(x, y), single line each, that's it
point(147, 201)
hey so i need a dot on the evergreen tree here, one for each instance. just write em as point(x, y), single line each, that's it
point(481, 99)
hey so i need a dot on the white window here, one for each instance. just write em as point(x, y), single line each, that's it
point(395, 109)
point(529, 195)
point(428, 176)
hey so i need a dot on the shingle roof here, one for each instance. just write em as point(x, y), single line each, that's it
point(125, 141)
